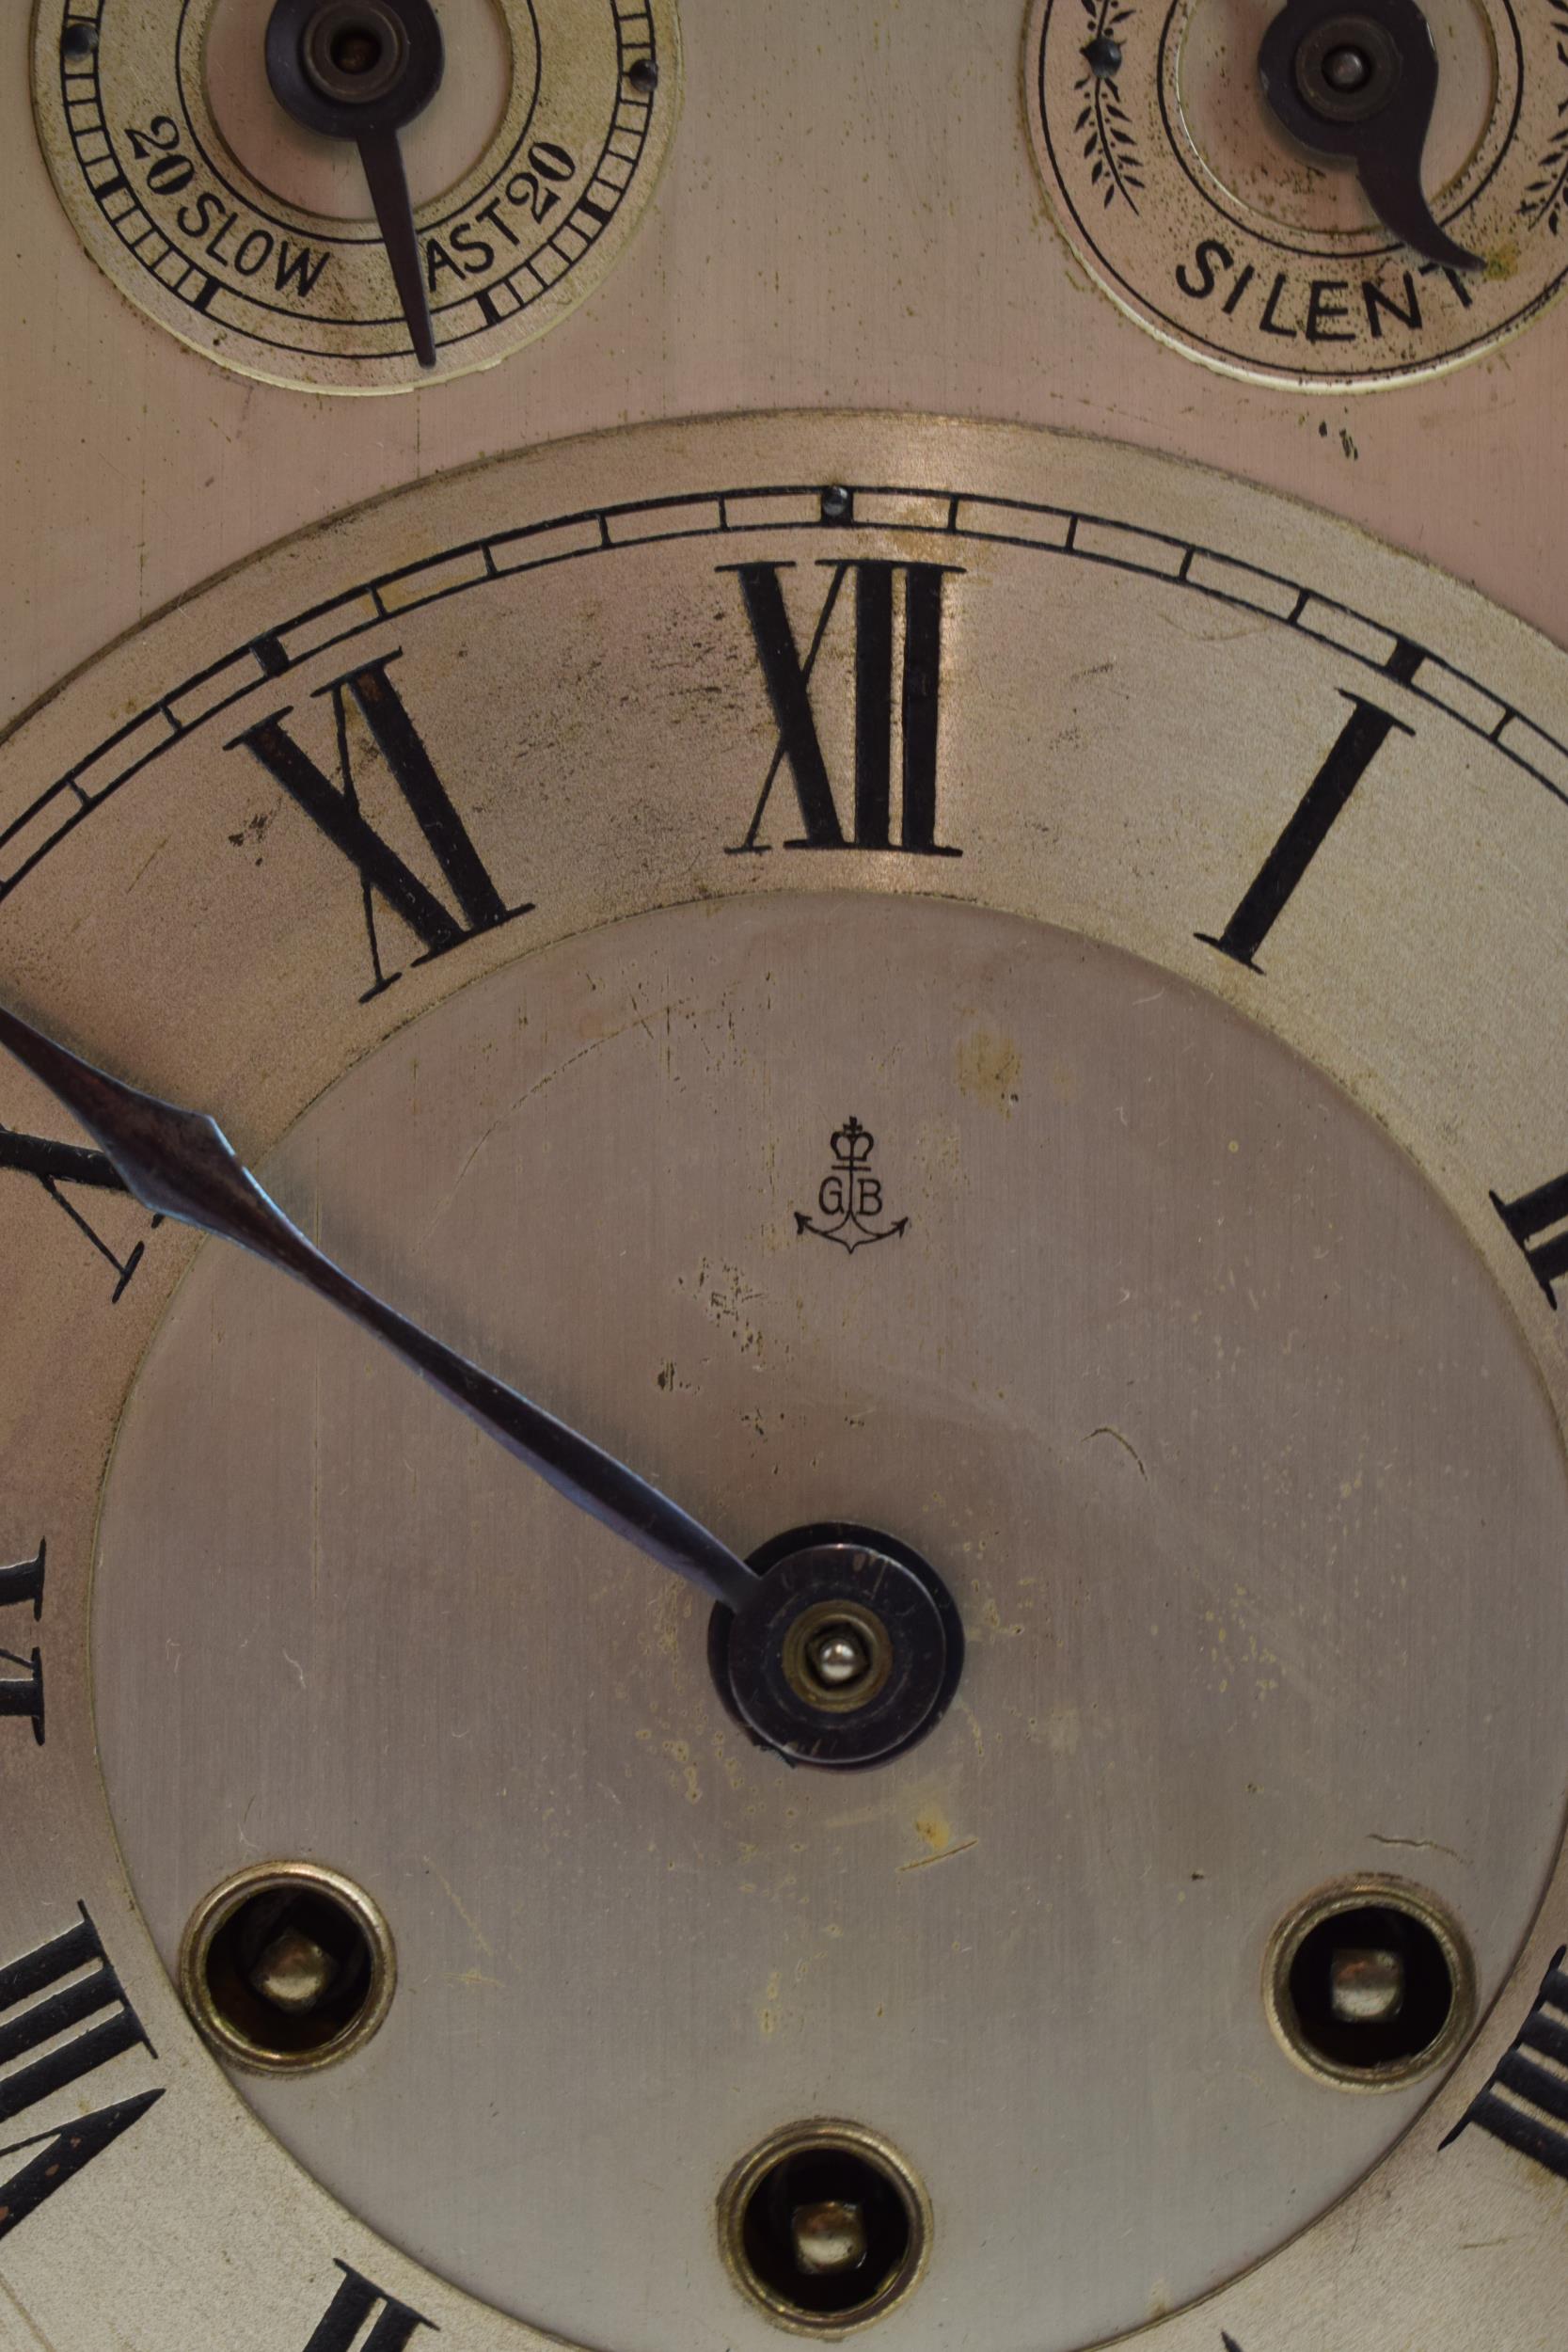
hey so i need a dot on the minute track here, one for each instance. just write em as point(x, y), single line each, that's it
point(1125, 734)
point(1211, 574)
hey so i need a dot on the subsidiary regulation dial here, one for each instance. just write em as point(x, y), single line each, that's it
point(253, 218)
point(1334, 197)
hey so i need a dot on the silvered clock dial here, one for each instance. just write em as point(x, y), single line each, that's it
point(977, 1008)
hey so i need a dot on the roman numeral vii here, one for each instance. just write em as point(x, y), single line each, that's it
point(1526, 2104)
point(358, 2305)
point(897, 705)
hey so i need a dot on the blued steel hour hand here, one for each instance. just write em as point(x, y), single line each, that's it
point(178, 1164)
point(1355, 81)
point(362, 70)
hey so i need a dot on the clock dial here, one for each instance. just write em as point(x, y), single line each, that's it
point(1131, 1599)
point(1203, 212)
point(251, 233)
point(933, 988)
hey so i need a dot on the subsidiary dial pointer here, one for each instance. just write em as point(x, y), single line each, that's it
point(1357, 87)
point(362, 70)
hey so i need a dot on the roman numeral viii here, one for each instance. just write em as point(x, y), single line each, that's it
point(358, 2306)
point(1354, 750)
point(473, 904)
point(1526, 2104)
point(909, 686)
point(22, 1695)
point(63, 2019)
point(1538, 1221)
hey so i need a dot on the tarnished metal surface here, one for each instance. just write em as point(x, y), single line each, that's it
point(1132, 1378)
point(850, 218)
point(1227, 1382)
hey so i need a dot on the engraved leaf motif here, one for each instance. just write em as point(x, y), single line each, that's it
point(1110, 142)
point(1546, 197)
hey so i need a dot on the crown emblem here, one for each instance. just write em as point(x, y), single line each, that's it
point(851, 1144)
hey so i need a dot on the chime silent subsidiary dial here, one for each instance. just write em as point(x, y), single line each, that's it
point(1334, 197)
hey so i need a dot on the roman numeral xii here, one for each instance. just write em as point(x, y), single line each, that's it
point(897, 705)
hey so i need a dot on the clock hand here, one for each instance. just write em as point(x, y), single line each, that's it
point(1357, 85)
point(382, 157)
point(178, 1164)
point(361, 70)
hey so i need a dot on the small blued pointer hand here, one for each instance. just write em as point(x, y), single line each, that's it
point(1357, 85)
point(362, 70)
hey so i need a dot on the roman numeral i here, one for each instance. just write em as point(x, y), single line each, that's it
point(1353, 752)
point(910, 687)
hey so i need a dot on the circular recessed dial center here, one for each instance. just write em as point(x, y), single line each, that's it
point(1236, 141)
point(1164, 1360)
point(324, 175)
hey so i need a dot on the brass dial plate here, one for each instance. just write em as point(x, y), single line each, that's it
point(531, 223)
point(1181, 196)
point(1143, 671)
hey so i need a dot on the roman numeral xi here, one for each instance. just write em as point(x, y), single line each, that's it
point(897, 705)
point(63, 2020)
point(471, 904)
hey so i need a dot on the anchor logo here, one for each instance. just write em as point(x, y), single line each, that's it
point(851, 1200)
